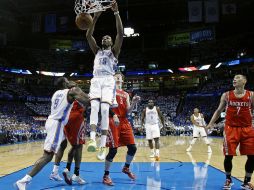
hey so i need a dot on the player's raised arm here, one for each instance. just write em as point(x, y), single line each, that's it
point(135, 100)
point(89, 34)
point(119, 27)
point(217, 113)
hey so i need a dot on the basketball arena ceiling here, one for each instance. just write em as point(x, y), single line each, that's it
point(162, 14)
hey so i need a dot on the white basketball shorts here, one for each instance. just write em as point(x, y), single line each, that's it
point(152, 131)
point(199, 131)
point(55, 135)
point(103, 88)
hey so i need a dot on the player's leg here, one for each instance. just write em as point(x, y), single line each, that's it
point(129, 157)
point(95, 107)
point(150, 140)
point(108, 161)
point(157, 148)
point(108, 92)
point(39, 164)
point(156, 137)
point(77, 157)
point(194, 139)
point(66, 171)
point(228, 168)
point(112, 143)
point(104, 130)
point(58, 157)
point(231, 141)
point(203, 134)
point(54, 138)
point(247, 148)
point(126, 138)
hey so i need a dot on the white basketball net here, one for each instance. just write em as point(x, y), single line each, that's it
point(91, 6)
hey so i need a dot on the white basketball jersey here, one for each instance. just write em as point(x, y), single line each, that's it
point(104, 63)
point(60, 107)
point(152, 117)
point(199, 119)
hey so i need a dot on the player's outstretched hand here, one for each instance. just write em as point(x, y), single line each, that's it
point(116, 120)
point(114, 7)
point(136, 99)
point(209, 126)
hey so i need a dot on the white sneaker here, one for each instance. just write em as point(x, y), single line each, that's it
point(189, 149)
point(55, 177)
point(102, 153)
point(91, 146)
point(21, 185)
point(152, 155)
point(78, 179)
point(209, 150)
point(67, 176)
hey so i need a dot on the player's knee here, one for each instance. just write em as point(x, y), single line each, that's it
point(132, 149)
point(205, 139)
point(104, 116)
point(228, 158)
point(95, 106)
point(251, 158)
point(193, 141)
point(104, 109)
point(111, 154)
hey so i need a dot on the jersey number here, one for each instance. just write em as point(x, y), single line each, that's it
point(103, 61)
point(238, 110)
point(56, 103)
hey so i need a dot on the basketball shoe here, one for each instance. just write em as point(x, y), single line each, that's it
point(102, 153)
point(55, 177)
point(129, 173)
point(78, 179)
point(107, 180)
point(67, 176)
point(228, 184)
point(247, 186)
point(21, 185)
point(91, 146)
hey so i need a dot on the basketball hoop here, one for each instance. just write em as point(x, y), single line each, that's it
point(91, 6)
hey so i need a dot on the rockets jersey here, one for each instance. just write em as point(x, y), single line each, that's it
point(104, 63)
point(121, 98)
point(76, 113)
point(238, 110)
point(60, 107)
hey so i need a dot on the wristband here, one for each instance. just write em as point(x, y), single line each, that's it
point(116, 13)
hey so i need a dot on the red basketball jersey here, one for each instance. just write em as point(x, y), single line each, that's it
point(77, 112)
point(121, 98)
point(238, 110)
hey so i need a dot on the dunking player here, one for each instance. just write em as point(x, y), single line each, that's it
point(74, 131)
point(199, 124)
point(238, 129)
point(121, 135)
point(102, 89)
point(61, 104)
point(150, 119)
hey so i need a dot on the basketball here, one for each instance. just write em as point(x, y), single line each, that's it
point(84, 21)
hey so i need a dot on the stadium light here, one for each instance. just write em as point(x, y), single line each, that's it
point(217, 66)
point(129, 32)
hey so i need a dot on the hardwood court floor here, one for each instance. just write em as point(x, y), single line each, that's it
point(173, 149)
